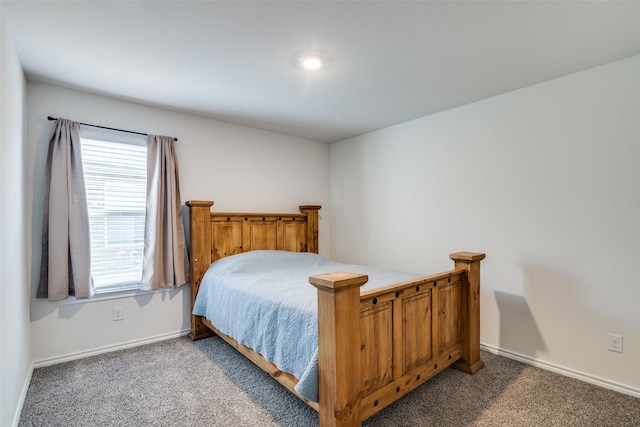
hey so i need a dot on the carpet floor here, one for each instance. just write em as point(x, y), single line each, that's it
point(207, 383)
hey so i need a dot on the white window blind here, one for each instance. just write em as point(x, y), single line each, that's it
point(116, 179)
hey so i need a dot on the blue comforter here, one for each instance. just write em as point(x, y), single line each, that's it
point(264, 300)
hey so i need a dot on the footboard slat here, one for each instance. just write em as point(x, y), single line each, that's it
point(376, 331)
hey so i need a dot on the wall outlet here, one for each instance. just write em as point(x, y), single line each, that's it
point(615, 343)
point(118, 313)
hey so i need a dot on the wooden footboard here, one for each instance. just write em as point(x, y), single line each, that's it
point(378, 345)
point(374, 346)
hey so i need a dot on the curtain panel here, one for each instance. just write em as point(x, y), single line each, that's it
point(65, 267)
point(165, 260)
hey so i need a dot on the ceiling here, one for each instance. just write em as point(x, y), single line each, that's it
point(388, 61)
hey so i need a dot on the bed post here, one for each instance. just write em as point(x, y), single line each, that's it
point(339, 347)
point(470, 361)
point(311, 211)
point(200, 238)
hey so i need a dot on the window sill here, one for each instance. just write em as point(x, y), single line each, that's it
point(113, 295)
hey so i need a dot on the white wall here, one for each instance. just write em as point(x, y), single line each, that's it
point(545, 181)
point(15, 344)
point(240, 168)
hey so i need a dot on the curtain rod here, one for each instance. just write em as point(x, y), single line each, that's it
point(105, 127)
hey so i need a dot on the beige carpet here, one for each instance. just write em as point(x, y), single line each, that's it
point(207, 383)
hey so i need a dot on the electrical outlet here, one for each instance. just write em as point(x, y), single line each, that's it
point(615, 343)
point(118, 313)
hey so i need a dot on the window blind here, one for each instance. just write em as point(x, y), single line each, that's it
point(116, 179)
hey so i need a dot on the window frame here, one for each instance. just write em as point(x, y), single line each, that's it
point(114, 136)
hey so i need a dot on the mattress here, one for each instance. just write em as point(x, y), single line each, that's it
point(263, 299)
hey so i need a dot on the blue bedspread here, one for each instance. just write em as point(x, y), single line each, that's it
point(264, 300)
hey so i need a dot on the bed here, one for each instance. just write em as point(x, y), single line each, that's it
point(374, 343)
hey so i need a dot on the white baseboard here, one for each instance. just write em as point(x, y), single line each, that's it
point(107, 349)
point(592, 379)
point(23, 396)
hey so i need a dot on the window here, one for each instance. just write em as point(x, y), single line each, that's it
point(115, 171)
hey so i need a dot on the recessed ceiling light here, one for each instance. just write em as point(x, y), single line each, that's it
point(312, 62)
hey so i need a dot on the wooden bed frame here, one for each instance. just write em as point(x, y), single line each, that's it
point(374, 346)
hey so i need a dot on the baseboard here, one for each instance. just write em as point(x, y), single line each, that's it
point(107, 349)
point(23, 396)
point(588, 378)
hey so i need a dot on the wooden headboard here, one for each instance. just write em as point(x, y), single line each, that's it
point(214, 235)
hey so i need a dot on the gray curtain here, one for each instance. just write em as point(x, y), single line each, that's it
point(165, 251)
point(65, 268)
